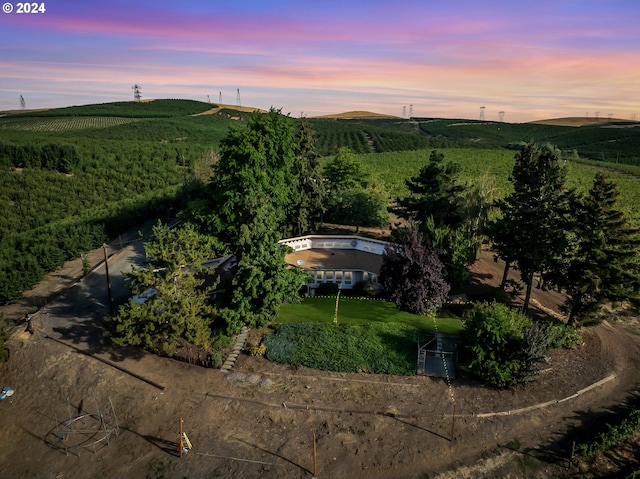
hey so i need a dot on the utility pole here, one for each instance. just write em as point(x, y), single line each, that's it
point(106, 268)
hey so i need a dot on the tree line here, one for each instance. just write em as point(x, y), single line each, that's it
point(49, 156)
point(49, 217)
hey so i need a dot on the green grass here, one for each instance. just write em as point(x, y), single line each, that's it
point(353, 311)
point(380, 348)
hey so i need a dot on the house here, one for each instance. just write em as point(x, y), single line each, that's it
point(341, 259)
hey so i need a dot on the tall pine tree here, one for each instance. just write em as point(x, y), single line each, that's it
point(437, 205)
point(603, 264)
point(306, 208)
point(536, 217)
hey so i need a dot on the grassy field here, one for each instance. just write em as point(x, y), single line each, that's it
point(353, 311)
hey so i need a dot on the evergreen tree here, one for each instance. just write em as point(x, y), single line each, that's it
point(603, 264)
point(306, 208)
point(437, 205)
point(533, 230)
point(172, 302)
point(250, 211)
point(412, 274)
point(435, 192)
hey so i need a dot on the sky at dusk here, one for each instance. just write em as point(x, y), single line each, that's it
point(531, 60)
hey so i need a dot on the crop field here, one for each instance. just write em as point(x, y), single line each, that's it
point(393, 168)
point(63, 123)
point(617, 141)
point(133, 109)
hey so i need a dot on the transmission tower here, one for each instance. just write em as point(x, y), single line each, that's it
point(23, 105)
point(610, 115)
point(597, 115)
point(500, 116)
point(136, 92)
point(410, 111)
point(238, 98)
point(404, 111)
point(481, 113)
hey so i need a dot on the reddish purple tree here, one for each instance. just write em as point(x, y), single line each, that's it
point(412, 274)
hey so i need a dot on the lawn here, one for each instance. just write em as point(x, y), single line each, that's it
point(354, 311)
point(371, 336)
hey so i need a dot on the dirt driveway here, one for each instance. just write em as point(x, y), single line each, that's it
point(259, 420)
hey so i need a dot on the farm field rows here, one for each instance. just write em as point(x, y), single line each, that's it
point(64, 123)
point(394, 167)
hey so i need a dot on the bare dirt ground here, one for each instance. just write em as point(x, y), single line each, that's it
point(259, 420)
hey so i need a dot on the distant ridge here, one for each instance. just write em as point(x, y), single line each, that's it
point(349, 115)
point(579, 121)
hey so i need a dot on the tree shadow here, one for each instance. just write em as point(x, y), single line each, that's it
point(585, 426)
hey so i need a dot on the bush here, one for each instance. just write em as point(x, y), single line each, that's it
point(505, 348)
point(560, 334)
point(365, 289)
point(216, 360)
point(221, 342)
point(257, 349)
point(327, 289)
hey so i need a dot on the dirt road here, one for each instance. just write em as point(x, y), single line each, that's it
point(259, 420)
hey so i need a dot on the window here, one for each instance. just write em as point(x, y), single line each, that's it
point(338, 276)
point(319, 276)
point(347, 277)
point(329, 276)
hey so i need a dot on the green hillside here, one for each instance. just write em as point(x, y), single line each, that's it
point(75, 177)
point(129, 109)
point(126, 162)
point(617, 142)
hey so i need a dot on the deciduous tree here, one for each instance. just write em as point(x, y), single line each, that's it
point(412, 274)
point(352, 197)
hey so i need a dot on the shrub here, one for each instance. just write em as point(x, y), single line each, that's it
point(365, 288)
point(505, 346)
point(257, 349)
point(614, 435)
point(560, 334)
point(216, 360)
point(221, 342)
point(327, 289)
